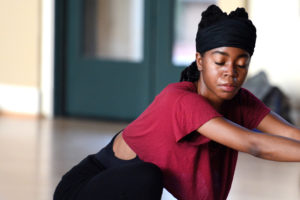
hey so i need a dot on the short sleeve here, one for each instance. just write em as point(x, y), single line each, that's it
point(191, 112)
point(253, 109)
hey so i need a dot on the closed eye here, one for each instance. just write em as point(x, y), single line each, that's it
point(242, 66)
point(220, 63)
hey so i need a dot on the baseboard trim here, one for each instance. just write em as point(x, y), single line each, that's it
point(19, 99)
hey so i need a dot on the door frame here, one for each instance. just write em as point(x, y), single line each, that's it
point(59, 56)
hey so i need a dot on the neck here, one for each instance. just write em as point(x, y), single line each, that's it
point(213, 100)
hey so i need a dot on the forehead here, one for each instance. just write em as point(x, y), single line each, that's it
point(229, 52)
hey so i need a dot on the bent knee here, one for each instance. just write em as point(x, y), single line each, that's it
point(149, 173)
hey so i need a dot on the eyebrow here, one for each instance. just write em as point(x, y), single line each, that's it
point(226, 54)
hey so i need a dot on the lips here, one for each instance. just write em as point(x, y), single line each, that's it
point(228, 87)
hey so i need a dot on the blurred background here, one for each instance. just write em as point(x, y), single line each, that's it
point(74, 72)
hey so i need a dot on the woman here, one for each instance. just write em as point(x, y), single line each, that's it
point(188, 139)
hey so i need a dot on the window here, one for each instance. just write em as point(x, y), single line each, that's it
point(113, 29)
point(187, 17)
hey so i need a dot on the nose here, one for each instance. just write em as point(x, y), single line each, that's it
point(230, 71)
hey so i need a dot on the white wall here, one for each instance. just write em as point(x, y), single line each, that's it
point(20, 56)
point(26, 57)
point(278, 42)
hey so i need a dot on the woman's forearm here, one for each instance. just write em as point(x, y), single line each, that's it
point(262, 145)
point(277, 148)
point(295, 134)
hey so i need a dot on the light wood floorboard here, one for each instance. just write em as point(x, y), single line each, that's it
point(35, 153)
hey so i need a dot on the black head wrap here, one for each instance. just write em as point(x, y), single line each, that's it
point(228, 31)
point(217, 29)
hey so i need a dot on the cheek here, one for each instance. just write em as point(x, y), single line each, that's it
point(212, 74)
point(213, 78)
point(212, 69)
point(242, 75)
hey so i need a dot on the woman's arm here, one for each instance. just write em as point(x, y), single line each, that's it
point(274, 124)
point(262, 145)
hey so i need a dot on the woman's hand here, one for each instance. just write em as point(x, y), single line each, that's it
point(264, 145)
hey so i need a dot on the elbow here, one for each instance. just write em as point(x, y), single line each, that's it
point(254, 146)
point(254, 150)
point(261, 151)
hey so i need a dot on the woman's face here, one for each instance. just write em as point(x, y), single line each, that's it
point(223, 70)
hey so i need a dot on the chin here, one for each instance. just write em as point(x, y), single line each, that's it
point(228, 96)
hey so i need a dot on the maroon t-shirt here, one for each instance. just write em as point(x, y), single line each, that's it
point(193, 166)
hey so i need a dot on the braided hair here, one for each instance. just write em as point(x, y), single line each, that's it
point(211, 16)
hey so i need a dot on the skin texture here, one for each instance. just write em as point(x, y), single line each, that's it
point(122, 150)
point(222, 72)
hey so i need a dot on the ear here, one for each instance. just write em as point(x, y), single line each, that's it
point(199, 61)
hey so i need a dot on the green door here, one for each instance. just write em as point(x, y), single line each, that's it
point(118, 55)
point(107, 58)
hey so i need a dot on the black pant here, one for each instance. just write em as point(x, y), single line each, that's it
point(103, 176)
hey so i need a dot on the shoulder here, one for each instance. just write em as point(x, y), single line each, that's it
point(244, 93)
point(184, 86)
point(184, 93)
point(243, 97)
point(175, 91)
point(252, 109)
point(247, 97)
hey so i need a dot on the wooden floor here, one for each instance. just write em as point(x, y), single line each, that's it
point(35, 153)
